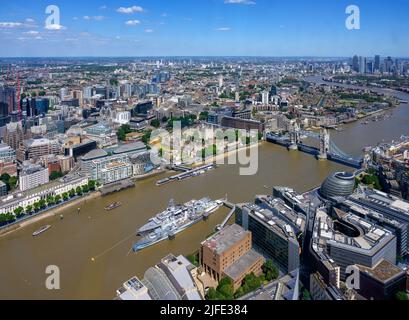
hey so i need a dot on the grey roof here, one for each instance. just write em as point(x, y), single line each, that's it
point(95, 154)
point(243, 264)
point(130, 147)
point(160, 287)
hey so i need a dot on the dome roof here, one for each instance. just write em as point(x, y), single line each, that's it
point(340, 184)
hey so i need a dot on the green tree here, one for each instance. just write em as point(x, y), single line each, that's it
point(7, 218)
point(78, 191)
point(146, 137)
point(5, 177)
point(13, 182)
point(123, 131)
point(204, 116)
point(56, 175)
point(401, 295)
point(251, 283)
point(65, 196)
point(57, 198)
point(43, 204)
point(71, 193)
point(50, 200)
point(19, 212)
point(37, 205)
point(270, 270)
point(29, 209)
point(155, 123)
point(193, 259)
point(85, 189)
point(212, 294)
point(91, 185)
point(306, 294)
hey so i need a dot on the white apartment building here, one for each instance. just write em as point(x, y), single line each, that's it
point(33, 177)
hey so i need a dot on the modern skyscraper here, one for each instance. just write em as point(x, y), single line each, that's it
point(265, 97)
point(377, 65)
point(8, 96)
point(362, 65)
point(355, 63)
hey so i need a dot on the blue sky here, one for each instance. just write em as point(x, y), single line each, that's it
point(204, 27)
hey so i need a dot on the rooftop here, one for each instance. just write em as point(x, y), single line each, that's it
point(383, 271)
point(236, 270)
point(225, 238)
point(95, 154)
point(130, 147)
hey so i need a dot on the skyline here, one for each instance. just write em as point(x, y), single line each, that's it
point(204, 28)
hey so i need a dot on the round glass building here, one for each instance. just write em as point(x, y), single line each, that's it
point(340, 184)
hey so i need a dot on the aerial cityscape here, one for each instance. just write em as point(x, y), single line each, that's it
point(192, 150)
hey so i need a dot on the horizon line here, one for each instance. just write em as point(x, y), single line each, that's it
point(199, 56)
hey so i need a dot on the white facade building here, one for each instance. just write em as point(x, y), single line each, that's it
point(33, 177)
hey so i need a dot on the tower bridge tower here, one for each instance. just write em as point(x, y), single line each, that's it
point(324, 143)
point(294, 136)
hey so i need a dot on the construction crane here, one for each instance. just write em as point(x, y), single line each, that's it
point(18, 97)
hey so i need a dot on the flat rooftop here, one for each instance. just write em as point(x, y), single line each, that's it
point(225, 238)
point(237, 269)
point(383, 271)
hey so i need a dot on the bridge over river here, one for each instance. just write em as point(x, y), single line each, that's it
point(327, 150)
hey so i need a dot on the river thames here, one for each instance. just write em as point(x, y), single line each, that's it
point(72, 243)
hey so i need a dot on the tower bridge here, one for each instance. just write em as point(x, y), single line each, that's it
point(327, 148)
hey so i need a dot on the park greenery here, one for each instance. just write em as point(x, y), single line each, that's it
point(55, 175)
point(185, 121)
point(358, 96)
point(401, 295)
point(10, 181)
point(123, 131)
point(370, 179)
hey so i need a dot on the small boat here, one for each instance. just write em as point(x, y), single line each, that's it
point(113, 206)
point(41, 230)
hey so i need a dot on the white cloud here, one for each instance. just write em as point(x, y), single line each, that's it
point(10, 24)
point(103, 7)
point(130, 10)
point(223, 29)
point(246, 2)
point(132, 22)
point(30, 20)
point(96, 18)
point(31, 33)
point(55, 27)
point(71, 39)
point(149, 30)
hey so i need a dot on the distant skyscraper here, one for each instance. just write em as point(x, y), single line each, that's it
point(355, 63)
point(377, 65)
point(63, 93)
point(370, 67)
point(265, 97)
point(388, 64)
point(220, 81)
point(8, 96)
point(87, 92)
point(362, 65)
